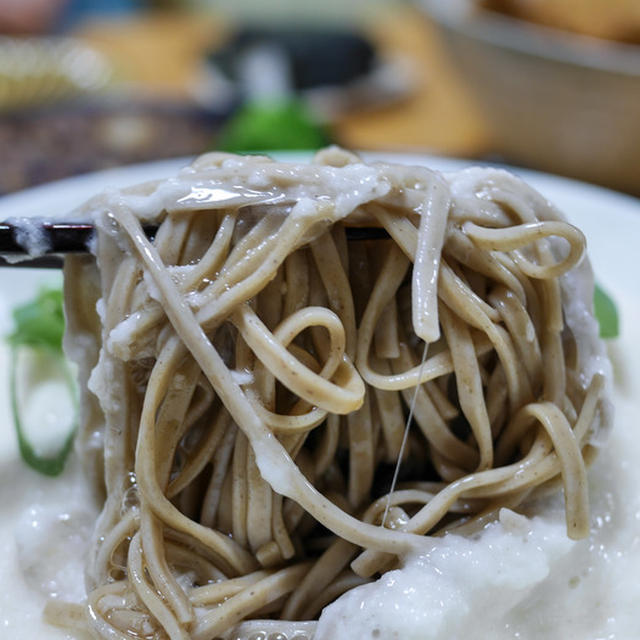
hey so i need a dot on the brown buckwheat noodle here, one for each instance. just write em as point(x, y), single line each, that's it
point(247, 376)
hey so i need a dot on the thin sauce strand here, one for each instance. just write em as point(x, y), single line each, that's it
point(405, 437)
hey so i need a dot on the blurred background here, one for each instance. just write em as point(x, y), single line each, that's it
point(548, 84)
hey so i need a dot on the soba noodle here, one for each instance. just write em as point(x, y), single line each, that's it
point(247, 376)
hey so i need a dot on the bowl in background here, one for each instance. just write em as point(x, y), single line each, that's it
point(553, 100)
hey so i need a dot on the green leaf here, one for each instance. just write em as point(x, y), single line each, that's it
point(271, 125)
point(40, 323)
point(606, 313)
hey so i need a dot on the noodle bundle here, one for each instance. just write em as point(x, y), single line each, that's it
point(275, 412)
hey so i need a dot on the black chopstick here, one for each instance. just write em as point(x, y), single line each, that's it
point(61, 238)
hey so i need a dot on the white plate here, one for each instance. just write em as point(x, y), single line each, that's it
point(610, 221)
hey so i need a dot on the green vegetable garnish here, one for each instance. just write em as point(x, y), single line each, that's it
point(606, 313)
point(268, 125)
point(38, 331)
point(40, 323)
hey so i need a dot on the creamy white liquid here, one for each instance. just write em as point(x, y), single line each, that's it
point(45, 526)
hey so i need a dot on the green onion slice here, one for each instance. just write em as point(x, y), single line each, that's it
point(36, 353)
point(606, 313)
